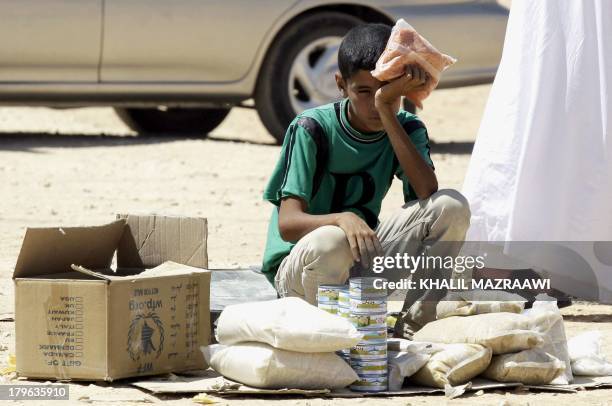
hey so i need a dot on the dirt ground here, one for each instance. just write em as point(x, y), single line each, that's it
point(74, 167)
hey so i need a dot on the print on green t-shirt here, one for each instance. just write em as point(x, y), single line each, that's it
point(335, 168)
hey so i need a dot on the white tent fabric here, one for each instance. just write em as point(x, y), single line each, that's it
point(541, 169)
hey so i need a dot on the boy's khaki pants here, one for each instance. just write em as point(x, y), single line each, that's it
point(436, 226)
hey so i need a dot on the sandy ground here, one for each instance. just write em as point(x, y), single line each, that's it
point(73, 167)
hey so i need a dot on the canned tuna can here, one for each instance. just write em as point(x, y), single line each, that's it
point(359, 305)
point(368, 320)
point(343, 297)
point(329, 308)
point(328, 293)
point(369, 367)
point(369, 352)
point(373, 335)
point(364, 287)
point(370, 383)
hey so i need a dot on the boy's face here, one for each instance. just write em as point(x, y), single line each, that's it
point(360, 90)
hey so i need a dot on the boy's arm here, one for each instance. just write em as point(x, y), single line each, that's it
point(421, 175)
point(294, 223)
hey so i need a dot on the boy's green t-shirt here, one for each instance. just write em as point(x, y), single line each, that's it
point(335, 168)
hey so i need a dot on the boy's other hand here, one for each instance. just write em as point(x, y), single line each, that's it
point(388, 94)
point(362, 239)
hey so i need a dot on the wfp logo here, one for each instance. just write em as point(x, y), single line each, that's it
point(145, 337)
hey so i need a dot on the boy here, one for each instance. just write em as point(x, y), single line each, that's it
point(337, 164)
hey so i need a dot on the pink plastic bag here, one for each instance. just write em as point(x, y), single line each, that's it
point(406, 47)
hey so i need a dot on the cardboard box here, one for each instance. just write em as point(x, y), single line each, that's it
point(76, 318)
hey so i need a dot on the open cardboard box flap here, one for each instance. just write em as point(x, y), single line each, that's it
point(150, 241)
point(166, 269)
point(141, 242)
point(47, 251)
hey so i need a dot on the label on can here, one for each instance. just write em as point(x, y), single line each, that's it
point(365, 287)
point(328, 293)
point(368, 305)
point(373, 335)
point(344, 312)
point(370, 384)
point(369, 351)
point(329, 308)
point(343, 297)
point(360, 320)
point(369, 367)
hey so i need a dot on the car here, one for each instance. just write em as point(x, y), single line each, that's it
point(180, 66)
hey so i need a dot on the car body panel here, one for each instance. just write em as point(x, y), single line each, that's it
point(153, 63)
point(38, 45)
point(184, 41)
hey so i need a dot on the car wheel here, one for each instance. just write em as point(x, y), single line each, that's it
point(298, 72)
point(172, 121)
point(409, 106)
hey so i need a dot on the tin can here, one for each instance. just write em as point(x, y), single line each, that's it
point(369, 367)
point(373, 335)
point(368, 320)
point(343, 297)
point(359, 305)
point(328, 293)
point(329, 308)
point(370, 383)
point(369, 352)
point(344, 312)
point(365, 287)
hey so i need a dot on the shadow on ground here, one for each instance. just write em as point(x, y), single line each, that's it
point(30, 141)
point(458, 148)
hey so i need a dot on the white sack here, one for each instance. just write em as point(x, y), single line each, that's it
point(262, 366)
point(586, 357)
point(289, 324)
point(415, 347)
point(471, 302)
point(555, 341)
point(502, 332)
point(403, 365)
point(531, 367)
point(455, 365)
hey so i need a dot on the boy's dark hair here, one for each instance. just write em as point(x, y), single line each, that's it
point(361, 48)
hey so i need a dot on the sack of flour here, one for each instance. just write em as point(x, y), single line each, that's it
point(471, 302)
point(402, 365)
point(555, 341)
point(531, 367)
point(415, 347)
point(455, 365)
point(502, 332)
point(586, 356)
point(289, 324)
point(407, 47)
point(262, 366)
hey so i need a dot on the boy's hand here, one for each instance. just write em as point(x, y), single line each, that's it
point(388, 94)
point(363, 241)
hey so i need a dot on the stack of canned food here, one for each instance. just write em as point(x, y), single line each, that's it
point(334, 299)
point(368, 312)
point(365, 307)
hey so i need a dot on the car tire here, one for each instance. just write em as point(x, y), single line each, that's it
point(172, 121)
point(273, 94)
point(409, 106)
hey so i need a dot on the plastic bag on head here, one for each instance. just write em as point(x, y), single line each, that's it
point(408, 47)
